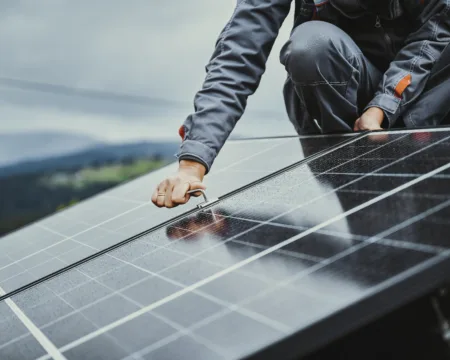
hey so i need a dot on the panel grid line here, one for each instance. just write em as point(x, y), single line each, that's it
point(422, 195)
point(241, 160)
point(278, 326)
point(185, 331)
point(380, 238)
point(433, 249)
point(122, 295)
point(119, 292)
point(320, 154)
point(408, 131)
point(310, 201)
point(401, 175)
point(40, 337)
point(226, 311)
point(229, 306)
point(245, 312)
point(326, 262)
point(292, 254)
point(251, 157)
point(191, 328)
point(18, 262)
point(83, 315)
point(345, 185)
point(21, 337)
point(299, 164)
point(312, 178)
point(158, 274)
point(105, 196)
point(374, 239)
point(333, 190)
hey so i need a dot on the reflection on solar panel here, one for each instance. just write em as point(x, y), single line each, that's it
point(103, 221)
point(285, 265)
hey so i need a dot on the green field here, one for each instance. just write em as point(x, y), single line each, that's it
point(109, 174)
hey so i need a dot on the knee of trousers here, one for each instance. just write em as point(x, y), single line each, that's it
point(319, 52)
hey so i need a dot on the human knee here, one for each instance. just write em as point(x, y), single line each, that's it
point(310, 48)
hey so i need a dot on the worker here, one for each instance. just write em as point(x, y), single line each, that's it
point(352, 65)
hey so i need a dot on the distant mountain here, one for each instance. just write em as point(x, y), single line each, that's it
point(28, 146)
point(100, 153)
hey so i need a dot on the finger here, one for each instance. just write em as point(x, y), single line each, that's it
point(161, 193)
point(179, 195)
point(155, 196)
point(168, 198)
point(194, 185)
point(356, 126)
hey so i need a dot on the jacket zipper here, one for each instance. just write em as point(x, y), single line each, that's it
point(387, 38)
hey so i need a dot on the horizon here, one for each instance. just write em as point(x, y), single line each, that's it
point(98, 79)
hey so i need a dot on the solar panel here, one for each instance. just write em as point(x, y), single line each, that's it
point(104, 220)
point(283, 266)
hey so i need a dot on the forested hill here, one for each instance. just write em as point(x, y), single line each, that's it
point(98, 154)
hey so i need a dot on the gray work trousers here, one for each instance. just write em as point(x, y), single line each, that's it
point(331, 81)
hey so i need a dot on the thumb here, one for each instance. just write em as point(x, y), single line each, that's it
point(356, 126)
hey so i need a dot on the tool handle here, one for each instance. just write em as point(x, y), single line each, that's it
point(200, 191)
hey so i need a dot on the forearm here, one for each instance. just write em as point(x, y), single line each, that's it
point(233, 74)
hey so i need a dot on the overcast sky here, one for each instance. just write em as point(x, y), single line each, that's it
point(152, 48)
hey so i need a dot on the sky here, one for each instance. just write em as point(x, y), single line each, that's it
point(119, 70)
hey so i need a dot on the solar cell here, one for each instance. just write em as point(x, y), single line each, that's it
point(104, 220)
point(16, 340)
point(288, 264)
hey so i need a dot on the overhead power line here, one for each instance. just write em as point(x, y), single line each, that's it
point(64, 90)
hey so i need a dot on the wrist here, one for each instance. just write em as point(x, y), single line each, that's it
point(193, 166)
point(376, 113)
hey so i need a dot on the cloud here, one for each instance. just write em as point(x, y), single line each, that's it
point(152, 49)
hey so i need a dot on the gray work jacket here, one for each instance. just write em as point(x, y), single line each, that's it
point(239, 59)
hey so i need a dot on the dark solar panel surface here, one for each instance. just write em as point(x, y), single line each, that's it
point(104, 220)
point(285, 265)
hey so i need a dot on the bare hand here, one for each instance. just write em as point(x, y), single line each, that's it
point(370, 120)
point(173, 191)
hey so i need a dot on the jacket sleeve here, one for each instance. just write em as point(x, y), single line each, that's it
point(406, 77)
point(233, 73)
